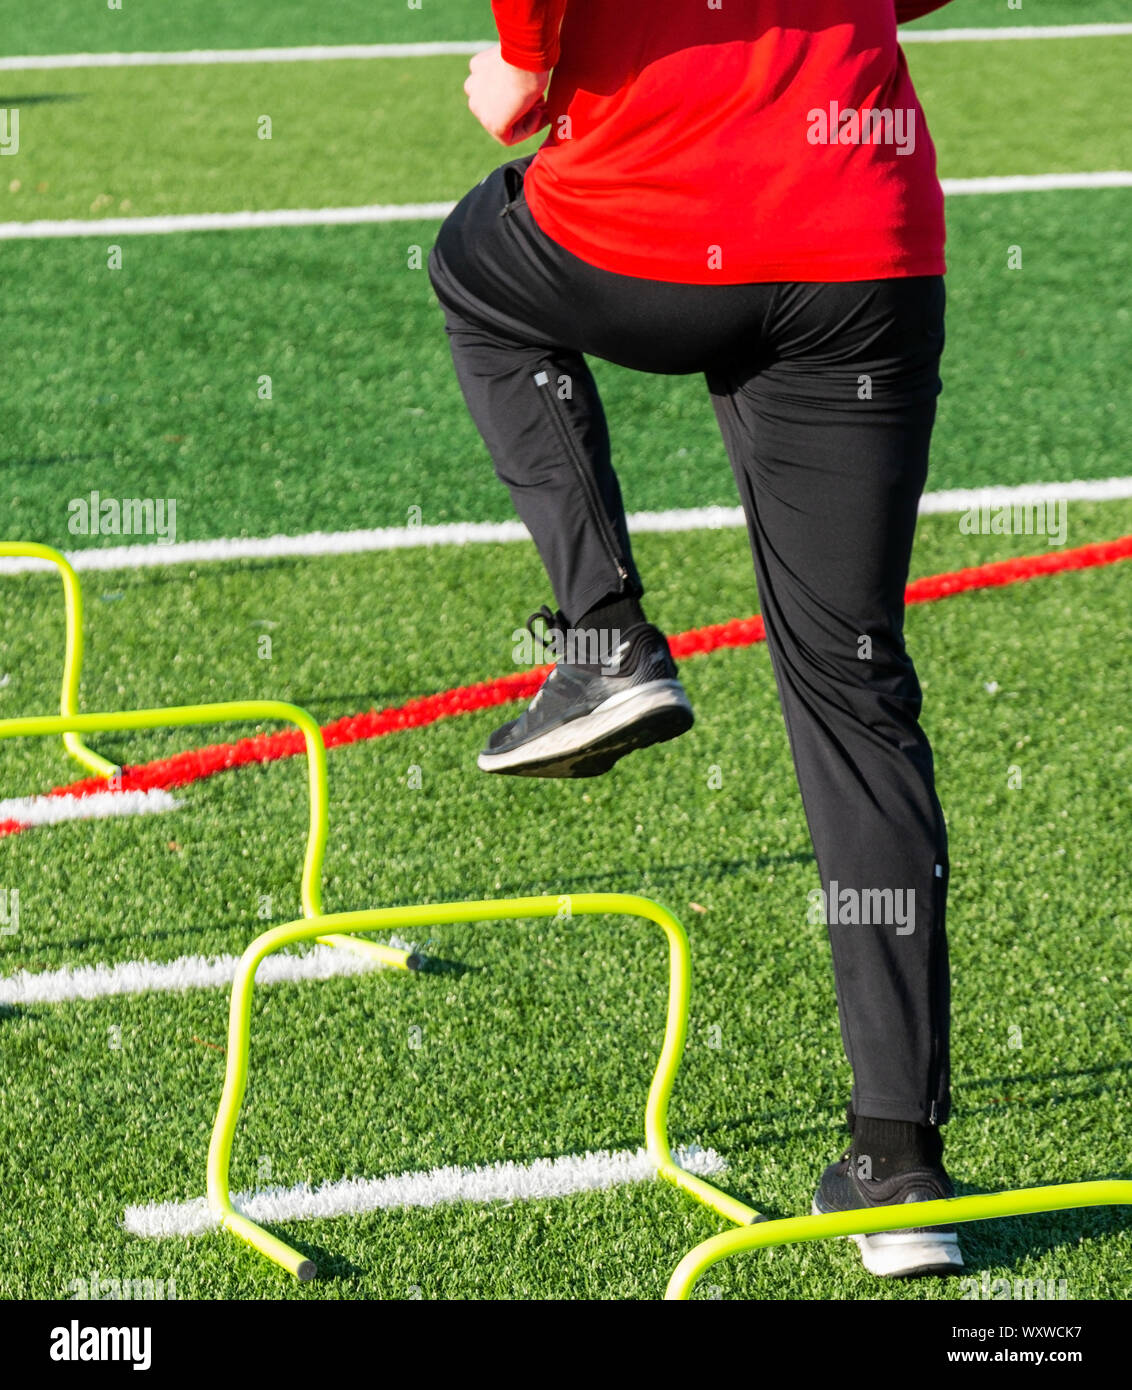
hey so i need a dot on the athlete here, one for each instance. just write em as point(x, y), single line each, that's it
point(745, 190)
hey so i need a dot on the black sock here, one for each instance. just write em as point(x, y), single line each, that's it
point(893, 1146)
point(616, 612)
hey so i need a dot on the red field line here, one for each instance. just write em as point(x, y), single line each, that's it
point(197, 764)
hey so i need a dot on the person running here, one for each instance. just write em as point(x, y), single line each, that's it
point(747, 191)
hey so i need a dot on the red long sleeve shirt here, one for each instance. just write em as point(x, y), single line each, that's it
point(762, 140)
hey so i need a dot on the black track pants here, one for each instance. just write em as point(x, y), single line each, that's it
point(825, 395)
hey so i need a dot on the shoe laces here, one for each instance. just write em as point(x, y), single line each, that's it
point(550, 621)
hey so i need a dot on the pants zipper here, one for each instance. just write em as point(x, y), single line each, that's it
point(589, 488)
point(940, 886)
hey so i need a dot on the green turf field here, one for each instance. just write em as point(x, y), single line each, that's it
point(150, 373)
point(74, 26)
point(345, 133)
point(536, 1041)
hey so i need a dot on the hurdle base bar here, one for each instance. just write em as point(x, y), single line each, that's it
point(951, 1211)
point(86, 757)
point(269, 1245)
point(389, 918)
point(391, 957)
point(730, 1208)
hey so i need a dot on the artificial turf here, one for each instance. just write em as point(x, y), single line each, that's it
point(104, 142)
point(143, 382)
point(536, 1040)
point(539, 1040)
point(76, 26)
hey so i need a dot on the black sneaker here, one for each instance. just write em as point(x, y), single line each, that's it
point(893, 1254)
point(588, 714)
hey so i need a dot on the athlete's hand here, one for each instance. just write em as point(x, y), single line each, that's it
point(507, 102)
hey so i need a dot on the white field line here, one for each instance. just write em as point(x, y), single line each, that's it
point(197, 57)
point(321, 53)
point(186, 972)
point(1019, 31)
point(46, 229)
point(52, 810)
point(504, 1181)
point(224, 221)
point(1037, 183)
point(127, 557)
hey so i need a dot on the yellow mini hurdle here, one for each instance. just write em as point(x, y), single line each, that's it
point(392, 918)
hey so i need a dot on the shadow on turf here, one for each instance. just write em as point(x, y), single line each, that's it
point(436, 965)
point(431, 965)
point(1043, 1079)
point(592, 882)
point(41, 98)
point(331, 1265)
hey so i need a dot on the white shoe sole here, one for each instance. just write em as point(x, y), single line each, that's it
point(896, 1254)
point(661, 706)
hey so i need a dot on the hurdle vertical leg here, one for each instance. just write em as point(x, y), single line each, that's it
point(73, 651)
